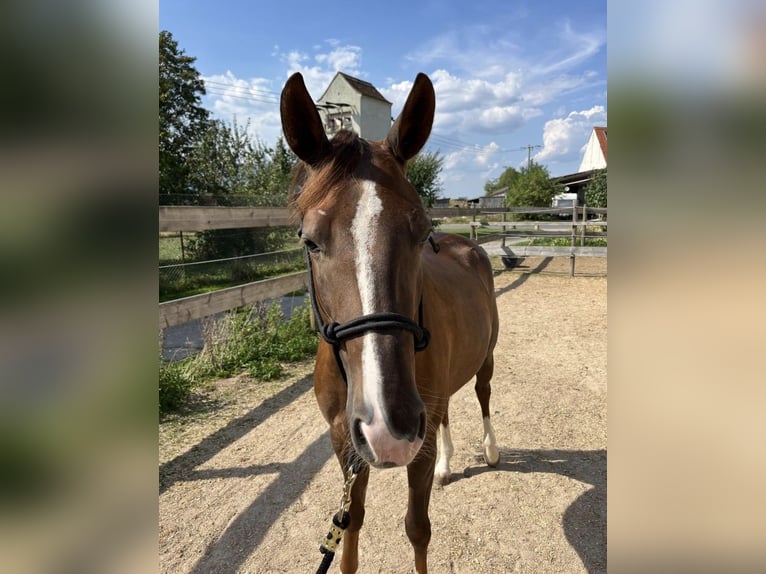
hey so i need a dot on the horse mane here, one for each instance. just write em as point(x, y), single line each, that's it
point(347, 150)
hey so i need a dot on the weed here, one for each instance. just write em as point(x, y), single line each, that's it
point(256, 339)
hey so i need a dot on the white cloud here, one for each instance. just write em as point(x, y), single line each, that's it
point(256, 100)
point(469, 104)
point(253, 100)
point(318, 70)
point(564, 139)
point(572, 49)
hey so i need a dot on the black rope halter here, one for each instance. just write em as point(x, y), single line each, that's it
point(336, 333)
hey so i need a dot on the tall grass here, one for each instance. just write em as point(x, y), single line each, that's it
point(255, 339)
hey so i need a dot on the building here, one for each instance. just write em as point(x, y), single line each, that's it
point(495, 200)
point(355, 105)
point(595, 151)
point(594, 158)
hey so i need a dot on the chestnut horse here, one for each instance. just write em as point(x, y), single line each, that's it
point(381, 279)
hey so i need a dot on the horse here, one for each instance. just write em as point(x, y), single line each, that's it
point(407, 315)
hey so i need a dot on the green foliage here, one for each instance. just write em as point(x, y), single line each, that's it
point(595, 193)
point(226, 164)
point(182, 120)
point(504, 180)
point(531, 188)
point(221, 243)
point(175, 385)
point(177, 282)
point(255, 339)
point(567, 242)
point(220, 160)
point(423, 173)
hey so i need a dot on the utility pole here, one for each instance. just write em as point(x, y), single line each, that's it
point(529, 149)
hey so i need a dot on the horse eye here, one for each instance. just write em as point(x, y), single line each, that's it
point(311, 246)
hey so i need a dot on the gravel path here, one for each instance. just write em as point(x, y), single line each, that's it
point(248, 484)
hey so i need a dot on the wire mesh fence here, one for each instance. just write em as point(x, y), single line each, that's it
point(178, 280)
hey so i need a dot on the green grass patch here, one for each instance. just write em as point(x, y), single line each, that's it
point(255, 339)
point(567, 241)
point(177, 282)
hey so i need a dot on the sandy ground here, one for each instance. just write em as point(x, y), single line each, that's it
point(248, 484)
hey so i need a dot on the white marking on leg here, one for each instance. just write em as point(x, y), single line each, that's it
point(491, 454)
point(446, 449)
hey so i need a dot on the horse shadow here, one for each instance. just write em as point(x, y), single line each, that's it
point(584, 521)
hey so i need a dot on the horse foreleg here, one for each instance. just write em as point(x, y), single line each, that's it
point(420, 476)
point(349, 561)
point(443, 473)
point(341, 442)
point(483, 390)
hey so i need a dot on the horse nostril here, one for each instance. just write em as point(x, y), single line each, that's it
point(357, 432)
point(422, 428)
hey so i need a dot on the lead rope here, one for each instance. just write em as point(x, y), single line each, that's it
point(340, 521)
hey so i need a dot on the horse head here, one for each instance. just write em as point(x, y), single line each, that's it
point(364, 227)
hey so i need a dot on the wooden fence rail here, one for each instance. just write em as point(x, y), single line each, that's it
point(194, 218)
point(201, 218)
point(181, 311)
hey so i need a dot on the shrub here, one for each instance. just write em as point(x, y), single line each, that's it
point(255, 339)
point(175, 385)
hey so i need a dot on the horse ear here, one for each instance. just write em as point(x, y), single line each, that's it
point(413, 126)
point(301, 123)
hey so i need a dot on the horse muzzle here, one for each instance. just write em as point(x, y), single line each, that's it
point(382, 448)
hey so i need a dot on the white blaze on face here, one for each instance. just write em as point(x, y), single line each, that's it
point(364, 229)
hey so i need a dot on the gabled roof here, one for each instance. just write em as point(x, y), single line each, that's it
point(364, 88)
point(601, 135)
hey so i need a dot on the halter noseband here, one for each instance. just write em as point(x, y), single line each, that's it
point(336, 333)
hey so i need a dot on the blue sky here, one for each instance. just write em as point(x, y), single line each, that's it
point(506, 74)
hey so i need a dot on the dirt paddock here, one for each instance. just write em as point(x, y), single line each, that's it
point(248, 484)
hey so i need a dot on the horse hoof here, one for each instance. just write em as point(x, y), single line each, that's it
point(442, 479)
point(491, 456)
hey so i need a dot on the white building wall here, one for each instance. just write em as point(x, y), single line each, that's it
point(370, 117)
point(593, 158)
point(377, 119)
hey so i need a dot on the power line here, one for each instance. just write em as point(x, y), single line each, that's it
point(263, 96)
point(216, 92)
point(259, 91)
point(529, 149)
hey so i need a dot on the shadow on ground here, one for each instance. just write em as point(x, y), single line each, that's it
point(181, 468)
point(523, 277)
point(584, 520)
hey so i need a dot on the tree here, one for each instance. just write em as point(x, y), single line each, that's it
point(504, 180)
point(595, 193)
point(531, 188)
point(182, 121)
point(220, 163)
point(234, 170)
point(423, 173)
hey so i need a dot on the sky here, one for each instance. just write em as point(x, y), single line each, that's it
point(507, 74)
